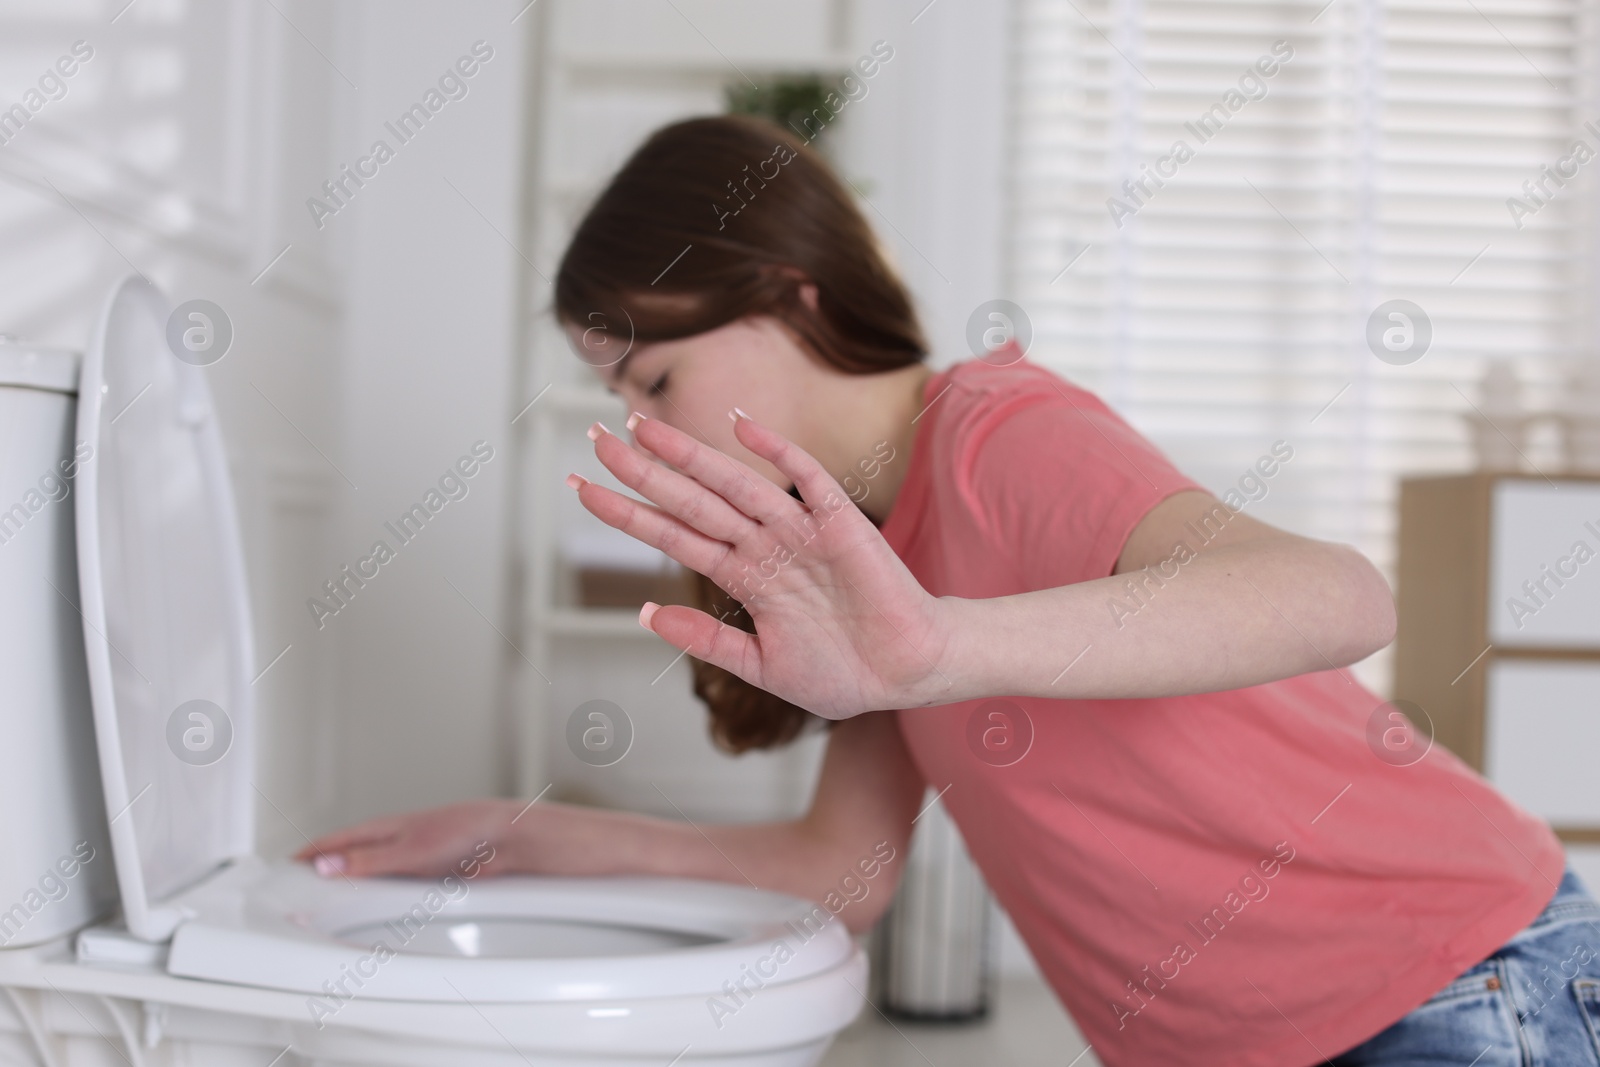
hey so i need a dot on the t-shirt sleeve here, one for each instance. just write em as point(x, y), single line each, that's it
point(1060, 481)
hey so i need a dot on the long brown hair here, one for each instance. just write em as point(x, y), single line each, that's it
point(712, 220)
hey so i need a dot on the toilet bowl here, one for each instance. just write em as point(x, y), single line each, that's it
point(217, 956)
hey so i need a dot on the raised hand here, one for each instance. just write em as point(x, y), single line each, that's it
point(842, 627)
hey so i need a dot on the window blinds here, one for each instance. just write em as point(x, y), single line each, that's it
point(1209, 200)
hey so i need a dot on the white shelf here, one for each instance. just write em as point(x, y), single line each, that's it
point(594, 622)
point(610, 72)
point(581, 400)
point(823, 64)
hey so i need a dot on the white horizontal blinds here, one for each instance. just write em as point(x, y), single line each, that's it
point(1477, 102)
point(1204, 317)
point(1229, 308)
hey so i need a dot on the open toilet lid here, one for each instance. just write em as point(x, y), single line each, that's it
point(166, 620)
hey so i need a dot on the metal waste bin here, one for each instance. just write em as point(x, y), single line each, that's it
point(933, 953)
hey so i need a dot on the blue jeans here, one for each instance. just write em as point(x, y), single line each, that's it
point(1534, 1003)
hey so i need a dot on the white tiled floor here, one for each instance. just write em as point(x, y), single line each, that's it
point(1025, 1027)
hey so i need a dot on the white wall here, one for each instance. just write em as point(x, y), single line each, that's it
point(427, 354)
point(174, 153)
point(375, 348)
point(928, 146)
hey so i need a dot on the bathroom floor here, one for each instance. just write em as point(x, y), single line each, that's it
point(1025, 1027)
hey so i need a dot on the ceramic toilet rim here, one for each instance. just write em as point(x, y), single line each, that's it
point(789, 1015)
point(267, 925)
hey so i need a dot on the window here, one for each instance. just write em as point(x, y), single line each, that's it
point(1210, 200)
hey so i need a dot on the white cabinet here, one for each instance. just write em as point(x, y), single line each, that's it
point(1499, 636)
point(1544, 571)
point(1543, 725)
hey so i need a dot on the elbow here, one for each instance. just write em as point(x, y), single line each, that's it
point(1388, 623)
point(862, 921)
point(861, 915)
point(863, 895)
point(1370, 620)
point(862, 887)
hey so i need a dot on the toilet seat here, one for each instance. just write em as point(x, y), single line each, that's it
point(279, 926)
point(166, 613)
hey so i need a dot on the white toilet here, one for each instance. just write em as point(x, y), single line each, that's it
point(127, 636)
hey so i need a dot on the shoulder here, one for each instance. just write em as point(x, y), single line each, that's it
point(979, 398)
point(994, 414)
point(993, 389)
point(1021, 439)
point(1038, 472)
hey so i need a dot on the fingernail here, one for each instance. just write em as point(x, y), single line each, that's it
point(634, 420)
point(742, 414)
point(328, 866)
point(647, 613)
point(596, 430)
point(576, 481)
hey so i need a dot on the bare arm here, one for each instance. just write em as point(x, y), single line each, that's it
point(843, 627)
point(1248, 604)
point(859, 820)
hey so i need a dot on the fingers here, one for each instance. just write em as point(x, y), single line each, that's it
point(371, 860)
point(816, 485)
point(366, 833)
point(382, 846)
point(654, 527)
point(704, 638)
point(738, 484)
point(690, 501)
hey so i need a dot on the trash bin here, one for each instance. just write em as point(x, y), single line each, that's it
point(933, 953)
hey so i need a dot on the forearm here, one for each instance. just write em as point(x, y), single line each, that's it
point(845, 853)
point(1230, 617)
point(788, 856)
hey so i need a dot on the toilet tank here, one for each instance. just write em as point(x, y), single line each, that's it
point(56, 870)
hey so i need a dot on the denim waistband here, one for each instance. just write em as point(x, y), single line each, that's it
point(1573, 900)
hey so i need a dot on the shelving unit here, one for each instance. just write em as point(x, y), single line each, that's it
point(607, 72)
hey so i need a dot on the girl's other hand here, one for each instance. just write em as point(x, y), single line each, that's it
point(424, 844)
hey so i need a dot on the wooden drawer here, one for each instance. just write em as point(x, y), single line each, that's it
point(1543, 736)
point(1541, 592)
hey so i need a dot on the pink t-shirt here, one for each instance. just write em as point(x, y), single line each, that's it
point(1232, 878)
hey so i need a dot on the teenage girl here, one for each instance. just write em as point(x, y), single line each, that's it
point(1132, 694)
